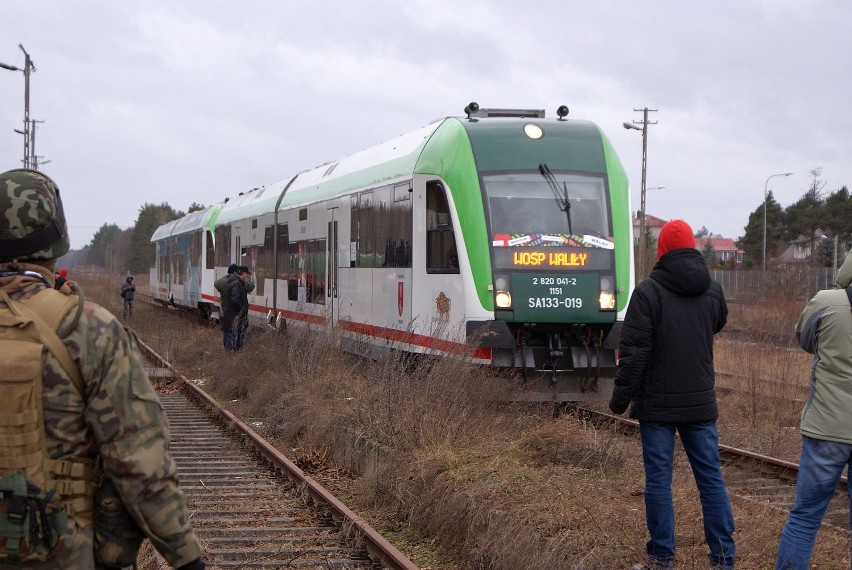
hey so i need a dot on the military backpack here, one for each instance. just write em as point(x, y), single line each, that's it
point(37, 494)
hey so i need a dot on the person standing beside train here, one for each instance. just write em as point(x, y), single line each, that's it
point(244, 279)
point(666, 370)
point(824, 330)
point(234, 302)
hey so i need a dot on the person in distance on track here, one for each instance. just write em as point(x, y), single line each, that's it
point(824, 330)
point(128, 292)
point(113, 423)
point(666, 370)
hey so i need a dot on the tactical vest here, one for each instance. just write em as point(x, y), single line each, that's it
point(37, 493)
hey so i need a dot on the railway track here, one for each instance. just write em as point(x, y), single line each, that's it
point(251, 506)
point(734, 382)
point(749, 476)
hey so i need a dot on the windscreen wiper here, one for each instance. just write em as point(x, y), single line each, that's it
point(561, 194)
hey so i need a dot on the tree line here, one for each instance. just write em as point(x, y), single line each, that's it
point(126, 250)
point(815, 218)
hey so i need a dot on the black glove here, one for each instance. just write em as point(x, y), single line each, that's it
point(197, 564)
point(618, 407)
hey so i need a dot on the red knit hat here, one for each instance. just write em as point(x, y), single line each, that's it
point(675, 234)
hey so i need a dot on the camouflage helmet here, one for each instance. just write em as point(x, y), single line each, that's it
point(32, 222)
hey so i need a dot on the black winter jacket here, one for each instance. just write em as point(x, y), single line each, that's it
point(234, 304)
point(666, 363)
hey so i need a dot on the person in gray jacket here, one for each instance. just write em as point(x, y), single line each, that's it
point(824, 330)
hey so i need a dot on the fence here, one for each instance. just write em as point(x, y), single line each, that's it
point(800, 283)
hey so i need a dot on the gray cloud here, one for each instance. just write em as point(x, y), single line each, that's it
point(198, 100)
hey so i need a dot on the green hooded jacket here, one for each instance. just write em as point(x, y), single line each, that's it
point(825, 330)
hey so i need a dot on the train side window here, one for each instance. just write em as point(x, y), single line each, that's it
point(265, 260)
point(441, 254)
point(398, 246)
point(283, 254)
point(223, 246)
point(363, 232)
point(381, 211)
point(210, 261)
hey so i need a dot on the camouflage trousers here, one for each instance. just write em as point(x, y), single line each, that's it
point(78, 552)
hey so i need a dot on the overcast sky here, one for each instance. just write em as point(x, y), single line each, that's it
point(184, 101)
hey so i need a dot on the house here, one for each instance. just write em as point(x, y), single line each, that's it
point(653, 223)
point(724, 248)
point(801, 250)
point(798, 251)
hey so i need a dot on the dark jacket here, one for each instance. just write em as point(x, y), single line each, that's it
point(666, 363)
point(128, 290)
point(234, 302)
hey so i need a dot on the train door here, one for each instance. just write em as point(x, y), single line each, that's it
point(332, 264)
point(440, 296)
point(171, 270)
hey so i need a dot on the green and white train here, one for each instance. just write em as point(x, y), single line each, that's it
point(503, 236)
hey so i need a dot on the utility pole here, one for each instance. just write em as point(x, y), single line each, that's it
point(33, 155)
point(642, 226)
point(28, 68)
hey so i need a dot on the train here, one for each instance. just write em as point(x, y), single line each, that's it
point(500, 235)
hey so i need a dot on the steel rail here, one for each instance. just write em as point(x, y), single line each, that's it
point(377, 546)
point(780, 465)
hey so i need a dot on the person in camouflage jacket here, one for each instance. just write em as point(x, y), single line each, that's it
point(118, 421)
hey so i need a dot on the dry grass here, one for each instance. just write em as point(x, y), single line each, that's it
point(463, 481)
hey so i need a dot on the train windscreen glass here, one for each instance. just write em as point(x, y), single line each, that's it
point(526, 204)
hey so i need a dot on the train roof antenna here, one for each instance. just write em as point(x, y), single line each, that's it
point(561, 194)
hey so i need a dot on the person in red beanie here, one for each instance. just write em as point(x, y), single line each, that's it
point(676, 234)
point(666, 371)
point(60, 277)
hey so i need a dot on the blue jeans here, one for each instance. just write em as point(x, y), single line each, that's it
point(229, 339)
point(820, 467)
point(701, 443)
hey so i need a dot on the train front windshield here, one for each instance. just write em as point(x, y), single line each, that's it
point(552, 247)
point(527, 204)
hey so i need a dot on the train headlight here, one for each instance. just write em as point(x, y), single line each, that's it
point(533, 131)
point(503, 299)
point(606, 300)
point(502, 292)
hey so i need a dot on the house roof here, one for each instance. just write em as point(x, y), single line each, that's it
point(717, 244)
point(650, 221)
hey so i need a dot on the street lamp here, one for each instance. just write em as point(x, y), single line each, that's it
point(765, 199)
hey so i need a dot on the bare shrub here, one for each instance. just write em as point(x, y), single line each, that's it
point(497, 486)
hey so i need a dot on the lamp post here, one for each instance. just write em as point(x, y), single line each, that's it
point(765, 200)
point(644, 129)
point(28, 68)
